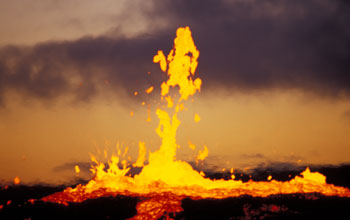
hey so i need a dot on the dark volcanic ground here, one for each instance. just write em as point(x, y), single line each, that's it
point(14, 202)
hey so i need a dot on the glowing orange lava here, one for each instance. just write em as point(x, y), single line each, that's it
point(165, 181)
point(16, 180)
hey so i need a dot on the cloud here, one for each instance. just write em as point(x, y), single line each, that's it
point(77, 68)
point(245, 45)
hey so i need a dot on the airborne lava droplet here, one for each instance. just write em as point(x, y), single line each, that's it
point(197, 118)
point(77, 169)
point(149, 90)
point(16, 180)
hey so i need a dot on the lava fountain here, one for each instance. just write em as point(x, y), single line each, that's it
point(165, 181)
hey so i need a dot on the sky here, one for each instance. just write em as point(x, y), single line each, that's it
point(275, 82)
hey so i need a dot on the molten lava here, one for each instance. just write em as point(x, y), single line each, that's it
point(165, 181)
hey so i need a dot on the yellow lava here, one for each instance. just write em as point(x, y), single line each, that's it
point(164, 173)
point(77, 169)
point(203, 153)
point(149, 90)
point(197, 118)
point(142, 155)
point(192, 146)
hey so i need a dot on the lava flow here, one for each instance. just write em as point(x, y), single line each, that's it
point(165, 181)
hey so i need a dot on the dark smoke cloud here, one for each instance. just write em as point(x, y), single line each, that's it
point(263, 44)
point(78, 67)
point(245, 45)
